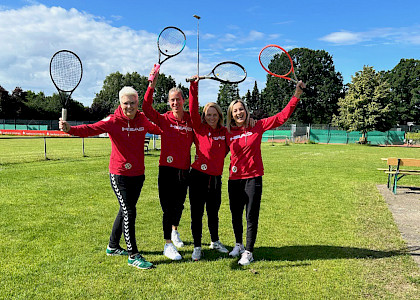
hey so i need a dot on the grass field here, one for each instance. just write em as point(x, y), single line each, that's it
point(325, 231)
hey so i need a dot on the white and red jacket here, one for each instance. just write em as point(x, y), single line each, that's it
point(245, 144)
point(127, 140)
point(177, 136)
point(210, 143)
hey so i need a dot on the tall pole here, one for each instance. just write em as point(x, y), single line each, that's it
point(198, 45)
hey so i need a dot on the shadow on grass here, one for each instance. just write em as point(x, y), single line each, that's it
point(298, 256)
point(316, 252)
point(152, 154)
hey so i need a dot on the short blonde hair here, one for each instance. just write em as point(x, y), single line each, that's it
point(229, 117)
point(128, 91)
point(217, 108)
point(177, 90)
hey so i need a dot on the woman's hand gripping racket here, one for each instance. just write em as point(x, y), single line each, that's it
point(66, 73)
point(225, 72)
point(171, 41)
point(277, 62)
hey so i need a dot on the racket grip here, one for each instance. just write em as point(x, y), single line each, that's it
point(64, 114)
point(152, 76)
point(191, 79)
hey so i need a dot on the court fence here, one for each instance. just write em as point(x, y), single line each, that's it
point(316, 133)
point(327, 134)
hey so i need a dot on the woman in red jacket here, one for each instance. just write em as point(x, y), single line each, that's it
point(126, 128)
point(246, 169)
point(206, 171)
point(174, 163)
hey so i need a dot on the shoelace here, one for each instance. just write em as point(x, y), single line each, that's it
point(172, 249)
point(138, 257)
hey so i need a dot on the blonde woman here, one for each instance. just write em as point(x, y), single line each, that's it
point(174, 163)
point(246, 169)
point(206, 171)
point(127, 128)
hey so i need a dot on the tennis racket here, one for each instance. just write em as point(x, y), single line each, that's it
point(225, 72)
point(276, 61)
point(171, 41)
point(66, 73)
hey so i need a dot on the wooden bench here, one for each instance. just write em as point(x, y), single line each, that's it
point(395, 172)
point(146, 144)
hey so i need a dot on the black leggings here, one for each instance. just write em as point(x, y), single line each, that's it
point(127, 189)
point(173, 185)
point(205, 190)
point(245, 193)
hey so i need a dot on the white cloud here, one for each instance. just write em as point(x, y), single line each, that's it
point(387, 35)
point(208, 36)
point(31, 35)
point(343, 38)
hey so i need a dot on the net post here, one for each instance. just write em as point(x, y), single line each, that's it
point(45, 148)
point(83, 146)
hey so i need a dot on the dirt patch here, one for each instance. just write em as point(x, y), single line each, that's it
point(405, 208)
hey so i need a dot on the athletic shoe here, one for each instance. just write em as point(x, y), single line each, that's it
point(218, 246)
point(196, 255)
point(139, 262)
point(176, 239)
point(115, 251)
point(237, 250)
point(246, 258)
point(170, 252)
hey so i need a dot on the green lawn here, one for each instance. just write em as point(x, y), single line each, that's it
point(325, 231)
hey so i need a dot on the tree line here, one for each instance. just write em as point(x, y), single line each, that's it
point(371, 101)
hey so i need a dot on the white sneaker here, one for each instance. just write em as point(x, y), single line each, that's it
point(246, 258)
point(218, 246)
point(176, 239)
point(238, 249)
point(196, 255)
point(170, 252)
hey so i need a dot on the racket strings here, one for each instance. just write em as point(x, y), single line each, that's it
point(229, 72)
point(171, 41)
point(276, 61)
point(66, 71)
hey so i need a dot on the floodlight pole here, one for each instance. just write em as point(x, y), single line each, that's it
point(198, 45)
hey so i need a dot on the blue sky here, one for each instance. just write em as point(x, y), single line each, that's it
point(112, 36)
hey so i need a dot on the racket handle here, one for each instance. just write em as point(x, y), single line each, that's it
point(152, 76)
point(191, 79)
point(64, 114)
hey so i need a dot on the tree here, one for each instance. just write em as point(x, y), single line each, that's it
point(256, 105)
point(107, 100)
point(316, 69)
point(366, 106)
point(404, 80)
point(227, 93)
point(12, 106)
point(4, 99)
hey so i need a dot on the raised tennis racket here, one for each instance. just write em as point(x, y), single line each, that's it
point(171, 41)
point(225, 72)
point(66, 73)
point(276, 61)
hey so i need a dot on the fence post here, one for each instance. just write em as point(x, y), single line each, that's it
point(293, 132)
point(45, 148)
point(83, 146)
point(308, 132)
